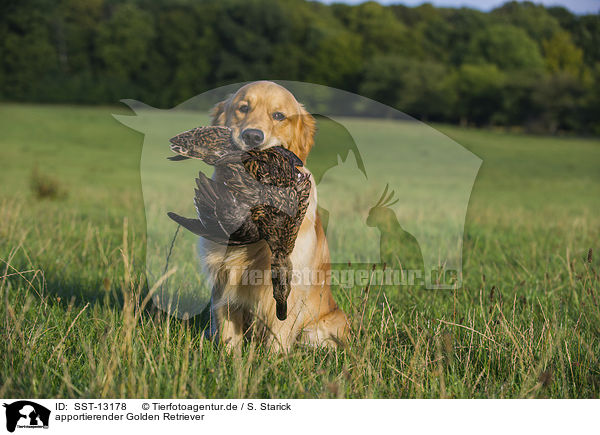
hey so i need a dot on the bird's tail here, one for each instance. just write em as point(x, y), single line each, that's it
point(281, 274)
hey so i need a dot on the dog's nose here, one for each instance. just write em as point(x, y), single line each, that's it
point(253, 137)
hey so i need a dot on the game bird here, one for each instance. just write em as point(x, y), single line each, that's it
point(260, 195)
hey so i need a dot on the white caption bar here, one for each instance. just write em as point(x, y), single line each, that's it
point(24, 416)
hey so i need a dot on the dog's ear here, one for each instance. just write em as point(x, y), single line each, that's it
point(218, 113)
point(304, 134)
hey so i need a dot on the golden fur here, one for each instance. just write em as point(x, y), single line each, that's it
point(240, 306)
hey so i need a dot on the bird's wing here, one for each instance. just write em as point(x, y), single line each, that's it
point(197, 227)
point(242, 236)
point(206, 143)
point(219, 206)
point(222, 215)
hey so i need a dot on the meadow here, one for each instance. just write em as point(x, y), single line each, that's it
point(77, 320)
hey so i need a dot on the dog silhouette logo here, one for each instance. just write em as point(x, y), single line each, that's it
point(26, 414)
point(392, 191)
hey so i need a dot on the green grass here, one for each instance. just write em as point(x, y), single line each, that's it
point(76, 322)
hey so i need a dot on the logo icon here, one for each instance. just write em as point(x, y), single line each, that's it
point(26, 414)
point(392, 192)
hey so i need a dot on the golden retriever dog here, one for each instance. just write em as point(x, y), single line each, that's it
point(264, 114)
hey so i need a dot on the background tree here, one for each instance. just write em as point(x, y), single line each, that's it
point(562, 55)
point(422, 89)
point(535, 19)
point(479, 93)
point(506, 46)
point(520, 64)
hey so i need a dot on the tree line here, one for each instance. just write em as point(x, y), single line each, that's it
point(519, 65)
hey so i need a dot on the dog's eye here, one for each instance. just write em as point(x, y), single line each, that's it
point(244, 108)
point(278, 116)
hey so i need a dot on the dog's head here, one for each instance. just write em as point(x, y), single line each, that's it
point(264, 114)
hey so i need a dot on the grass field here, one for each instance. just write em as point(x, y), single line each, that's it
point(76, 321)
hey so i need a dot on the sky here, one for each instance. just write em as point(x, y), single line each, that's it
point(576, 6)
